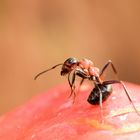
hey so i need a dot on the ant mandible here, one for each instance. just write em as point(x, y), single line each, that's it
point(86, 70)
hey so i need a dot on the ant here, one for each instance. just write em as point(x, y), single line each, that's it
point(86, 70)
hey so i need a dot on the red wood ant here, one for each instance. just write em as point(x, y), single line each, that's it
point(86, 70)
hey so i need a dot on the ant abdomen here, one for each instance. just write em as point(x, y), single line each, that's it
point(94, 97)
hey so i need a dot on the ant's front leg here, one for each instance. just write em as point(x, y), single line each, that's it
point(69, 81)
point(72, 84)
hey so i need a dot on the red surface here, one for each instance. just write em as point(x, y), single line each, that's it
point(52, 116)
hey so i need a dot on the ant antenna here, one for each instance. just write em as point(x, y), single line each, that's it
point(46, 71)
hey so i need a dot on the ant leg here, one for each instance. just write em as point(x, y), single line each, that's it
point(81, 82)
point(46, 71)
point(79, 73)
point(83, 75)
point(111, 82)
point(72, 85)
point(126, 91)
point(100, 102)
point(69, 80)
point(106, 66)
point(100, 98)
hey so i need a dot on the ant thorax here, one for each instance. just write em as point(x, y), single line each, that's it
point(87, 66)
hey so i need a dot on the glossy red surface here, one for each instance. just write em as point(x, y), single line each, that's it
point(53, 115)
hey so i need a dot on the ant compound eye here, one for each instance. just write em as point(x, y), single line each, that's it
point(70, 61)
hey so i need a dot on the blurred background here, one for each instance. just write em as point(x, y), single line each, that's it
point(37, 34)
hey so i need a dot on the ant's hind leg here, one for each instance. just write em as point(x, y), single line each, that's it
point(100, 103)
point(126, 91)
point(106, 66)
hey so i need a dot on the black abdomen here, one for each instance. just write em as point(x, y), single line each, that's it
point(94, 97)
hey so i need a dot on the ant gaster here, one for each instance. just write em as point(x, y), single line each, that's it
point(86, 70)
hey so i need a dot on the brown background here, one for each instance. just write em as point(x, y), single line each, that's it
point(36, 34)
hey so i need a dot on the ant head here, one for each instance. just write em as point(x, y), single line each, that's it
point(69, 65)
